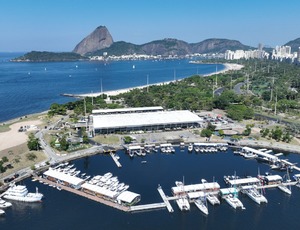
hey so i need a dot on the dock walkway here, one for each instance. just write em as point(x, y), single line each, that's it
point(165, 199)
point(146, 207)
point(114, 157)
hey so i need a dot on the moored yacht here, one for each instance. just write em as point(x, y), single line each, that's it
point(255, 195)
point(285, 189)
point(20, 193)
point(212, 199)
point(202, 205)
point(234, 202)
point(190, 148)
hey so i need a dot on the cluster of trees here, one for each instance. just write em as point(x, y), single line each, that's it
point(33, 142)
point(79, 107)
point(277, 134)
point(37, 56)
point(208, 131)
point(2, 162)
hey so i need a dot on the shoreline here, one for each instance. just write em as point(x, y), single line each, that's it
point(227, 67)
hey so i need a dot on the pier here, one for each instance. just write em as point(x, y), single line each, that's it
point(165, 199)
point(146, 207)
point(114, 157)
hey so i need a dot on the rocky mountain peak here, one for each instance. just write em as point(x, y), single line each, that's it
point(99, 39)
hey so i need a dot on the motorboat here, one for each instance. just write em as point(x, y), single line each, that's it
point(190, 148)
point(254, 195)
point(183, 204)
point(234, 201)
point(212, 199)
point(20, 193)
point(4, 204)
point(179, 183)
point(201, 204)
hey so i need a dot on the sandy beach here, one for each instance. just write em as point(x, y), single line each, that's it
point(228, 67)
point(13, 137)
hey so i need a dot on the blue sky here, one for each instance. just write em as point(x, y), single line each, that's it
point(58, 25)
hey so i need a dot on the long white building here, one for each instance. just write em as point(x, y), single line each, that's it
point(105, 123)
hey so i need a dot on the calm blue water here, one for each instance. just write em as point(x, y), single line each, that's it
point(27, 88)
point(62, 210)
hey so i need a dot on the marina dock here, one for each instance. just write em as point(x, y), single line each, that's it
point(83, 194)
point(114, 157)
point(165, 199)
point(146, 207)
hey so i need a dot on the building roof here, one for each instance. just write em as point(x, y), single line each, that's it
point(127, 110)
point(144, 119)
point(243, 181)
point(194, 195)
point(195, 187)
point(64, 177)
point(127, 196)
point(273, 177)
point(100, 190)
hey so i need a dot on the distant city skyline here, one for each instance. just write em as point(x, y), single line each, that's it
point(59, 25)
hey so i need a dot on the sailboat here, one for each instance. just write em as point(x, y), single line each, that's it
point(233, 200)
point(286, 189)
point(182, 201)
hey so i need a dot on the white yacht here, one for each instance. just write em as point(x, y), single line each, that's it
point(190, 148)
point(234, 202)
point(256, 196)
point(201, 204)
point(20, 193)
point(4, 204)
point(212, 199)
point(2, 212)
point(285, 189)
point(183, 204)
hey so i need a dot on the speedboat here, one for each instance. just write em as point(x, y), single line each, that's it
point(183, 204)
point(20, 193)
point(4, 204)
point(212, 199)
point(234, 202)
point(190, 148)
point(200, 203)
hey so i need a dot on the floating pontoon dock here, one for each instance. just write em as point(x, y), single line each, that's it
point(114, 157)
point(165, 199)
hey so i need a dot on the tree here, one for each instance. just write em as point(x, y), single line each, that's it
point(64, 145)
point(4, 159)
point(206, 133)
point(127, 139)
point(33, 143)
point(277, 133)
